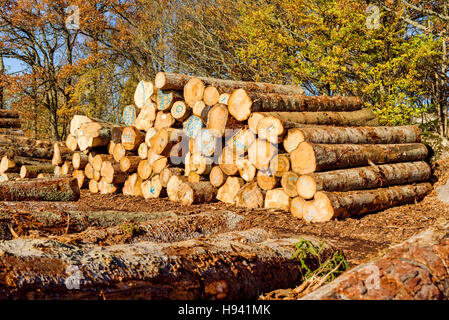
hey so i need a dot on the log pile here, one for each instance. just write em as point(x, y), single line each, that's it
point(197, 139)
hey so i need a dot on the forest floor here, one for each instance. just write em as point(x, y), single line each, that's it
point(93, 217)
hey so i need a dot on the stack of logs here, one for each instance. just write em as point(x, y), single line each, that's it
point(22, 157)
point(197, 139)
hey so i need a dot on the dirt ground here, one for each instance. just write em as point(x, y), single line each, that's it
point(360, 238)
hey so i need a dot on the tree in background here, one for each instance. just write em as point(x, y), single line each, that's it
point(327, 47)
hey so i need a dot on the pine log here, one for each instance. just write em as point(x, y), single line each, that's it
point(146, 118)
point(246, 170)
point(297, 206)
point(223, 98)
point(270, 129)
point(173, 187)
point(360, 178)
point(195, 193)
point(166, 99)
point(60, 154)
point(142, 151)
point(357, 135)
point(79, 160)
point(77, 121)
point(211, 96)
point(288, 183)
point(30, 171)
point(217, 118)
point(116, 134)
point(308, 158)
point(167, 173)
point(266, 180)
point(269, 102)
point(277, 199)
point(241, 140)
point(6, 139)
point(157, 162)
point(150, 133)
point(228, 161)
point(93, 186)
point(129, 115)
point(119, 152)
point(260, 153)
point(199, 109)
point(132, 186)
point(144, 169)
point(250, 196)
point(66, 168)
point(10, 123)
point(200, 164)
point(81, 178)
point(28, 151)
point(111, 146)
point(143, 92)
point(130, 163)
point(180, 111)
point(47, 189)
point(330, 205)
point(9, 165)
point(194, 177)
point(217, 177)
point(163, 140)
point(193, 91)
point(280, 164)
point(174, 81)
point(228, 192)
point(331, 118)
point(93, 134)
point(9, 176)
point(89, 171)
point(106, 188)
point(111, 173)
point(254, 118)
point(132, 138)
point(206, 143)
point(71, 143)
point(163, 120)
point(97, 175)
point(99, 159)
point(152, 189)
point(192, 126)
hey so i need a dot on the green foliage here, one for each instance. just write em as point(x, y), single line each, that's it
point(131, 229)
point(326, 47)
point(311, 259)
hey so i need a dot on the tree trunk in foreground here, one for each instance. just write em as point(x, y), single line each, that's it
point(308, 158)
point(244, 263)
point(413, 270)
point(47, 189)
point(330, 205)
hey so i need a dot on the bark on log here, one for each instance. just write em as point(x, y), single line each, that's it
point(28, 151)
point(332, 205)
point(173, 81)
point(308, 158)
point(415, 269)
point(358, 135)
point(10, 123)
point(195, 193)
point(48, 189)
point(9, 176)
point(31, 171)
point(261, 262)
point(11, 131)
point(360, 178)
point(331, 118)
point(130, 163)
